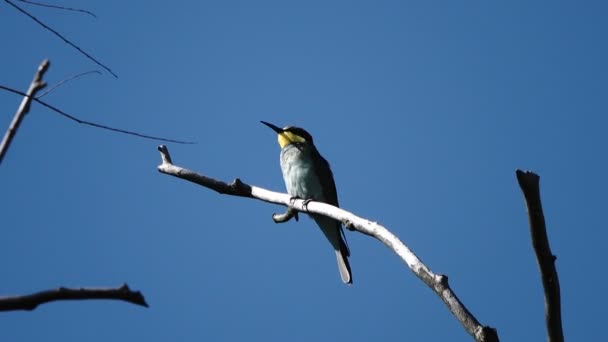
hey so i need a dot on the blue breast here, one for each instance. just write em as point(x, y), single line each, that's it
point(298, 172)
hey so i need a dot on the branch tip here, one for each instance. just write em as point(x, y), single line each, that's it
point(486, 334)
point(526, 177)
point(164, 154)
point(286, 216)
point(44, 66)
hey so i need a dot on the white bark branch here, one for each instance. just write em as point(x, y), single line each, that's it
point(437, 282)
point(24, 108)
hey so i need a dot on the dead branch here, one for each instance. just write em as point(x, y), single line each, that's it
point(59, 7)
point(67, 41)
point(71, 78)
point(93, 124)
point(32, 301)
point(437, 282)
point(529, 184)
point(24, 108)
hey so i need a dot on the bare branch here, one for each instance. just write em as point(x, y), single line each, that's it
point(89, 123)
point(60, 7)
point(66, 81)
point(529, 184)
point(62, 38)
point(35, 86)
point(32, 301)
point(438, 283)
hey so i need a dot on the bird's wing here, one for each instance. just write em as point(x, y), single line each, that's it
point(330, 193)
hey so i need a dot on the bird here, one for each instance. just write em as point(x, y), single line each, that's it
point(308, 176)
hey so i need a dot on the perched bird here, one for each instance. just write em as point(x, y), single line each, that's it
point(307, 176)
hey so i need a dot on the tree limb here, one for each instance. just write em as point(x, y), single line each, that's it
point(529, 184)
point(24, 108)
point(437, 282)
point(31, 301)
point(93, 124)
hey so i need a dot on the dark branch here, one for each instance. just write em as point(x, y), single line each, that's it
point(35, 86)
point(31, 301)
point(529, 184)
point(60, 7)
point(66, 81)
point(89, 123)
point(62, 38)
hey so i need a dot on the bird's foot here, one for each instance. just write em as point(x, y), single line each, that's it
point(305, 204)
point(293, 213)
point(290, 209)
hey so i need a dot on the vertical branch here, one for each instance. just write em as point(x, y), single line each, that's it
point(35, 86)
point(529, 184)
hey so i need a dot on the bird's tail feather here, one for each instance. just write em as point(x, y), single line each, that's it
point(333, 231)
point(344, 266)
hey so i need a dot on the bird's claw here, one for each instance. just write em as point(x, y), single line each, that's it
point(290, 211)
point(305, 204)
point(293, 213)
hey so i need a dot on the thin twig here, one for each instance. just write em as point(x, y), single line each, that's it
point(59, 7)
point(35, 86)
point(66, 81)
point(62, 38)
point(88, 123)
point(529, 183)
point(32, 301)
point(437, 282)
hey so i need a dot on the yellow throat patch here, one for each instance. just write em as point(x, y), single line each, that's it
point(286, 138)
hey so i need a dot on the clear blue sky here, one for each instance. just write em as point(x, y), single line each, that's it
point(424, 109)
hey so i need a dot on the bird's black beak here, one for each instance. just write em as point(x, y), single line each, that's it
point(274, 128)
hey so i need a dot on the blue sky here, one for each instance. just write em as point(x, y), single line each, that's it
point(424, 110)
